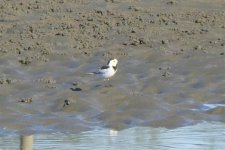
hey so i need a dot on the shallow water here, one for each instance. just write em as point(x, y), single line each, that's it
point(201, 136)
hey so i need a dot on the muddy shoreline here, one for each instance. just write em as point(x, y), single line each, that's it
point(171, 64)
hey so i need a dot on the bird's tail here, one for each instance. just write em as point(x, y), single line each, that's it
point(90, 73)
point(93, 73)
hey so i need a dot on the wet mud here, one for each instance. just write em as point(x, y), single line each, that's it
point(170, 72)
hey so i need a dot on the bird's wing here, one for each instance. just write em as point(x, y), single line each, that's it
point(101, 70)
point(104, 67)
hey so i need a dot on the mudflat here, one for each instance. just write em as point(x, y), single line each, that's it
point(171, 69)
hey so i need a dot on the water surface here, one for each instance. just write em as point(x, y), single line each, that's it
point(208, 136)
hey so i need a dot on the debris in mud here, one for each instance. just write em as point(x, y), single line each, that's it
point(76, 89)
point(164, 68)
point(75, 83)
point(165, 42)
point(133, 8)
point(136, 41)
point(198, 47)
point(171, 2)
point(25, 100)
point(7, 81)
point(66, 102)
point(167, 74)
point(108, 85)
point(60, 34)
point(50, 86)
point(45, 52)
point(47, 80)
point(25, 61)
point(125, 43)
point(3, 50)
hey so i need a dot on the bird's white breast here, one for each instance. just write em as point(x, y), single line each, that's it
point(107, 73)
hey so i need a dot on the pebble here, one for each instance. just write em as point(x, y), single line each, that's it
point(198, 47)
point(75, 83)
point(164, 41)
point(67, 102)
point(7, 81)
point(25, 61)
point(26, 100)
point(170, 2)
point(167, 74)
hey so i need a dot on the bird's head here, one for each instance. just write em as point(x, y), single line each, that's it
point(113, 62)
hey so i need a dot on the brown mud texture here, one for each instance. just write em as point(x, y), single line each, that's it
point(171, 69)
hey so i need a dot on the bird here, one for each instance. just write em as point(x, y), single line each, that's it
point(107, 71)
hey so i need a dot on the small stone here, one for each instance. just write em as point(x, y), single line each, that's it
point(198, 47)
point(9, 81)
point(222, 53)
point(170, 2)
point(60, 34)
point(25, 61)
point(75, 83)
point(25, 100)
point(204, 30)
point(125, 43)
point(2, 81)
point(67, 102)
point(134, 43)
point(3, 50)
point(90, 19)
point(197, 21)
point(164, 41)
point(109, 86)
point(167, 74)
point(141, 41)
